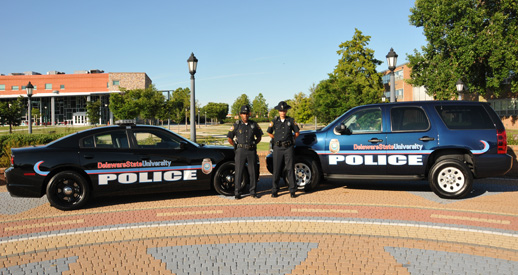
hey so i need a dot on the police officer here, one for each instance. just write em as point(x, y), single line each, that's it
point(283, 130)
point(248, 134)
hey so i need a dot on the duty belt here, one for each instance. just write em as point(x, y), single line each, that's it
point(286, 143)
point(246, 146)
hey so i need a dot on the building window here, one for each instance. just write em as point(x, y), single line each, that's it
point(15, 88)
point(116, 83)
point(398, 75)
point(62, 87)
point(48, 86)
point(2, 87)
point(399, 94)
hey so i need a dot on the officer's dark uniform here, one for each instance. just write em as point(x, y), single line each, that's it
point(247, 135)
point(283, 143)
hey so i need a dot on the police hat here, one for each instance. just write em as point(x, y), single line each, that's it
point(245, 109)
point(282, 106)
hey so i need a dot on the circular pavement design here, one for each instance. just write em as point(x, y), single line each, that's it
point(341, 228)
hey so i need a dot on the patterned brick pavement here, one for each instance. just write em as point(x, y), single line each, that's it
point(343, 228)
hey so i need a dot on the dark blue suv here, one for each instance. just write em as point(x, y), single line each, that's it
point(447, 142)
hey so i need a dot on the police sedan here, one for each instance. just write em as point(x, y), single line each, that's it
point(118, 160)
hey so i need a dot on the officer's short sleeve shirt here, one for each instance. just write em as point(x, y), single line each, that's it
point(245, 133)
point(283, 131)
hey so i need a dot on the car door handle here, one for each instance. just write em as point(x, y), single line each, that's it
point(425, 138)
point(88, 156)
point(375, 140)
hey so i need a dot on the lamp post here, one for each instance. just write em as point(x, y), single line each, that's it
point(392, 61)
point(460, 88)
point(193, 63)
point(205, 118)
point(199, 118)
point(29, 89)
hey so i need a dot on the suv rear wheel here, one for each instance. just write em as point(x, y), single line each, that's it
point(450, 179)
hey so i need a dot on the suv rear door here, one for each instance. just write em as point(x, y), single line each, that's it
point(410, 141)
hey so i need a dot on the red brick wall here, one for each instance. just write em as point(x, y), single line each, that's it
point(74, 83)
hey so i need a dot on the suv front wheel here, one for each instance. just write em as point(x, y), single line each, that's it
point(450, 179)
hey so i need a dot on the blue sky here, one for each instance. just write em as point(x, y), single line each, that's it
point(277, 48)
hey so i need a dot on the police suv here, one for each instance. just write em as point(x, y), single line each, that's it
point(447, 142)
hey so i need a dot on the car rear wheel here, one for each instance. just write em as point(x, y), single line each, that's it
point(224, 179)
point(68, 190)
point(450, 179)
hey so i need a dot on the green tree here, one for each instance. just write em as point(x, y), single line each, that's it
point(93, 111)
point(143, 103)
point(259, 106)
point(11, 113)
point(125, 105)
point(470, 40)
point(302, 110)
point(181, 102)
point(240, 101)
point(217, 111)
point(151, 102)
point(354, 81)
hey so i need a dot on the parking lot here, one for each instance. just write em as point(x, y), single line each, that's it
point(341, 228)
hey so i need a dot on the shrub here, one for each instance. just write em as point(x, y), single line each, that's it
point(21, 140)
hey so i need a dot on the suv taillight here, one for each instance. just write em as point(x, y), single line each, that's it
point(501, 137)
point(12, 159)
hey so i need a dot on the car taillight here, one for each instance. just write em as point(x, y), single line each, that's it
point(502, 141)
point(12, 159)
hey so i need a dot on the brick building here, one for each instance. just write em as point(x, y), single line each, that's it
point(61, 98)
point(404, 91)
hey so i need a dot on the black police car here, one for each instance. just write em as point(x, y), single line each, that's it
point(447, 142)
point(117, 160)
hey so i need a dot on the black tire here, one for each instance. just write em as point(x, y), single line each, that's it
point(451, 179)
point(68, 190)
point(224, 179)
point(307, 174)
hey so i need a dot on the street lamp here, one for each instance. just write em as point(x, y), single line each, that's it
point(460, 88)
point(29, 89)
point(392, 61)
point(193, 63)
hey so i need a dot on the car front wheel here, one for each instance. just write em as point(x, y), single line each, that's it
point(68, 190)
point(450, 179)
point(307, 174)
point(224, 179)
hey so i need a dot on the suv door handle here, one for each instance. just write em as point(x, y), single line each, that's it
point(425, 138)
point(375, 140)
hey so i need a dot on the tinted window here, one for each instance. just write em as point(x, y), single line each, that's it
point(116, 139)
point(409, 119)
point(153, 139)
point(465, 117)
point(364, 121)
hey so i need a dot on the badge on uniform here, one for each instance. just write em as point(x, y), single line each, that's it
point(289, 123)
point(206, 166)
point(334, 146)
point(232, 128)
